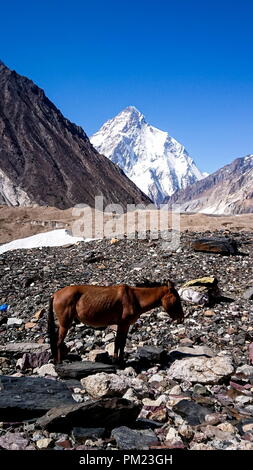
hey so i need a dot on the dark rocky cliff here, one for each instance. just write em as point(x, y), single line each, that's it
point(47, 160)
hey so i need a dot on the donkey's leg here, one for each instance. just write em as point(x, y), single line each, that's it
point(60, 342)
point(65, 322)
point(120, 342)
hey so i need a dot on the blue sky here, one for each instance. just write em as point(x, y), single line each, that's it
point(186, 64)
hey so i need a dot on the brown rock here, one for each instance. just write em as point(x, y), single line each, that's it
point(29, 325)
point(223, 246)
point(209, 313)
point(65, 443)
point(39, 314)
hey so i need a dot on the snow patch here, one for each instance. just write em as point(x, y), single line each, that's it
point(59, 237)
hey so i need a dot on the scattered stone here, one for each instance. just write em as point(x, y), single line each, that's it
point(200, 446)
point(173, 437)
point(98, 355)
point(107, 413)
point(242, 445)
point(215, 418)
point(44, 443)
point(39, 314)
point(63, 443)
point(215, 432)
point(128, 371)
point(156, 378)
point(244, 372)
point(151, 355)
point(80, 435)
point(29, 325)
point(82, 369)
point(209, 313)
point(47, 369)
point(33, 360)
point(226, 427)
point(247, 426)
point(132, 396)
point(222, 246)
point(4, 361)
point(248, 294)
point(14, 321)
point(114, 240)
point(251, 353)
point(192, 412)
point(127, 438)
point(109, 337)
point(186, 342)
point(105, 385)
point(176, 390)
point(159, 415)
point(110, 348)
point(199, 389)
point(14, 441)
point(244, 400)
point(154, 403)
point(78, 397)
point(202, 370)
point(185, 431)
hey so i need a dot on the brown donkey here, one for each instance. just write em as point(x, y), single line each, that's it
point(99, 306)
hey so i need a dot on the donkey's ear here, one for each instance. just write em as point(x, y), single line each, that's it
point(170, 284)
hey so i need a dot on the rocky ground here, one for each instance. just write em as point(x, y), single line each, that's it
point(186, 386)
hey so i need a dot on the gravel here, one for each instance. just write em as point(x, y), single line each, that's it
point(220, 407)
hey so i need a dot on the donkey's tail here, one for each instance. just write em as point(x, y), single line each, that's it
point(51, 329)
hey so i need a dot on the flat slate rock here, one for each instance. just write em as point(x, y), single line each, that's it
point(80, 369)
point(223, 246)
point(127, 438)
point(151, 354)
point(29, 397)
point(192, 412)
point(186, 351)
point(106, 413)
point(24, 348)
point(81, 434)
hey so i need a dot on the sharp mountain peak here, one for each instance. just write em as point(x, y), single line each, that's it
point(151, 158)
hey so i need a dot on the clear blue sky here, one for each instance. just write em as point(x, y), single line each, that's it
point(186, 64)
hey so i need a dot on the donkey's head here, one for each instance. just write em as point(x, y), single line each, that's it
point(172, 304)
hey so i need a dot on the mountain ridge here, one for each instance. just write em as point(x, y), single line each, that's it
point(226, 191)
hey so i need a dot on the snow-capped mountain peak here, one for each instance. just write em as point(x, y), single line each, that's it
point(155, 161)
